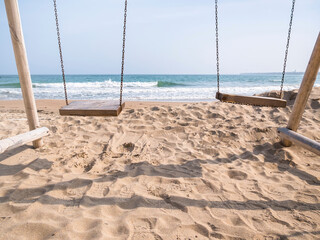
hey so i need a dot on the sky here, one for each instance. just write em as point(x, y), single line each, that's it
point(163, 36)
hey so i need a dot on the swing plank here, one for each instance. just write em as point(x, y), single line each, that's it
point(251, 100)
point(92, 108)
point(300, 140)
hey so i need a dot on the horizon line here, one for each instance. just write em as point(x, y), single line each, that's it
point(191, 74)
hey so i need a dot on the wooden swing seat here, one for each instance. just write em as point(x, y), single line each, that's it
point(92, 108)
point(251, 100)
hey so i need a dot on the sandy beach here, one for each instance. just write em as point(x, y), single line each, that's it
point(161, 171)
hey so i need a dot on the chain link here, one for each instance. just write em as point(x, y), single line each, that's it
point(123, 47)
point(217, 46)
point(287, 49)
point(60, 51)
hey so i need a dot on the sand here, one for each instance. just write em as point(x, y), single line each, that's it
point(161, 171)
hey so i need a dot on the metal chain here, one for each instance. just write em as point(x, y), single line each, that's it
point(60, 51)
point(287, 49)
point(123, 47)
point(217, 46)
point(286, 52)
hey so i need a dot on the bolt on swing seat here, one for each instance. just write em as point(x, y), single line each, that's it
point(251, 100)
point(92, 108)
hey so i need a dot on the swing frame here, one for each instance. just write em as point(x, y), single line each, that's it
point(289, 134)
point(35, 133)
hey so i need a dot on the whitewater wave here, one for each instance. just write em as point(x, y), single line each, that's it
point(108, 84)
point(97, 84)
point(180, 93)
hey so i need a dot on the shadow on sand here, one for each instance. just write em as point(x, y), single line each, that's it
point(190, 169)
point(7, 154)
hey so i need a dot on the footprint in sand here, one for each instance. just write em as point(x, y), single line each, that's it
point(238, 175)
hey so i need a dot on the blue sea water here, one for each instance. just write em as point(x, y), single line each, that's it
point(148, 87)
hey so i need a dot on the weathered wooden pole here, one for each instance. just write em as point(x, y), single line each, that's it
point(20, 53)
point(19, 140)
point(299, 139)
point(304, 90)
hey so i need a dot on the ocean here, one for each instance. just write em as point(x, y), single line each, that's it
point(148, 87)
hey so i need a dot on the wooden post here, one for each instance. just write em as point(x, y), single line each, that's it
point(306, 86)
point(20, 53)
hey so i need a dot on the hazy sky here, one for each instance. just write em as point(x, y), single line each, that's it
point(163, 36)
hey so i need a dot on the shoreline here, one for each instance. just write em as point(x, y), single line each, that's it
point(54, 105)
